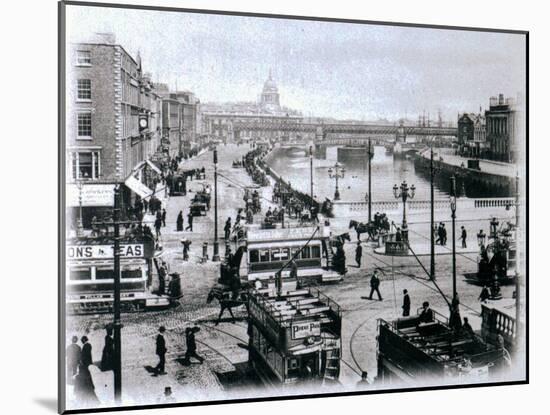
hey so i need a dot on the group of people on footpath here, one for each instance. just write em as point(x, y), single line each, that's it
point(79, 360)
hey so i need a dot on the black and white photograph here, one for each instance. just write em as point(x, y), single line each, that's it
point(261, 207)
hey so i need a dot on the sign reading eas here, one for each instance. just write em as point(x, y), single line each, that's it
point(103, 251)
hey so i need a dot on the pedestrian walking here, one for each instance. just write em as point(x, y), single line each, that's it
point(179, 222)
point(185, 243)
point(364, 380)
point(227, 229)
point(463, 236)
point(443, 234)
point(358, 254)
point(84, 387)
point(108, 354)
point(374, 284)
point(191, 346)
point(158, 224)
point(163, 273)
point(163, 217)
point(406, 304)
point(189, 222)
point(167, 396)
point(73, 352)
point(398, 236)
point(439, 239)
point(484, 295)
point(160, 351)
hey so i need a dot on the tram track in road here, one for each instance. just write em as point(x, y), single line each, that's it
point(425, 284)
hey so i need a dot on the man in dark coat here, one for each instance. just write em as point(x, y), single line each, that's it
point(443, 235)
point(427, 315)
point(463, 236)
point(108, 355)
point(73, 357)
point(191, 346)
point(84, 387)
point(358, 254)
point(227, 229)
point(160, 351)
point(484, 296)
point(374, 284)
point(163, 217)
point(158, 224)
point(406, 304)
point(179, 222)
point(189, 222)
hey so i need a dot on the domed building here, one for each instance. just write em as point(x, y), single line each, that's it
point(270, 95)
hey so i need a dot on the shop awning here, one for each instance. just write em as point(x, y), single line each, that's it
point(137, 187)
point(154, 166)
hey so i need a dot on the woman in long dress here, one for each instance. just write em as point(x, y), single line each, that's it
point(179, 222)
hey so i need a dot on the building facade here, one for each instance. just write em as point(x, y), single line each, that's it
point(502, 129)
point(108, 96)
point(472, 135)
point(265, 119)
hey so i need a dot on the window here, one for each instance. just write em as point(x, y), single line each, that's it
point(131, 273)
point(84, 87)
point(316, 251)
point(264, 255)
point(306, 253)
point(280, 254)
point(80, 274)
point(83, 57)
point(85, 124)
point(254, 257)
point(85, 165)
point(104, 274)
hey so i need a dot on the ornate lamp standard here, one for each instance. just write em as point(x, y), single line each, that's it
point(336, 172)
point(216, 255)
point(80, 226)
point(454, 321)
point(404, 192)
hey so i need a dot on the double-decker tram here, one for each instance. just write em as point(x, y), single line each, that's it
point(268, 250)
point(90, 275)
point(295, 336)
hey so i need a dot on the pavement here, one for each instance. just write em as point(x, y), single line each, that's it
point(224, 346)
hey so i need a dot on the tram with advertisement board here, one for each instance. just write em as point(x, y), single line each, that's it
point(295, 337)
point(90, 281)
point(268, 250)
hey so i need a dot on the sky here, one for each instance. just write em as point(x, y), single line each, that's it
point(324, 69)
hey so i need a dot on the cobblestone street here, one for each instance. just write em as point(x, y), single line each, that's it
point(224, 347)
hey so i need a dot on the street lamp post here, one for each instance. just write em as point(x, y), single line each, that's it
point(336, 172)
point(116, 301)
point(216, 254)
point(404, 192)
point(311, 172)
point(370, 154)
point(80, 225)
point(454, 320)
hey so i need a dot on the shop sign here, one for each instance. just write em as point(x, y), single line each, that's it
point(91, 194)
point(303, 330)
point(77, 252)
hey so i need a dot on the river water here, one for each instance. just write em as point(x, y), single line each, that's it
point(386, 170)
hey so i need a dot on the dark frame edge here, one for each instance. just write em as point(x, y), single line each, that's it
point(61, 211)
point(61, 372)
point(290, 17)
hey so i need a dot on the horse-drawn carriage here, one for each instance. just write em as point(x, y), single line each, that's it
point(374, 229)
point(200, 203)
point(177, 184)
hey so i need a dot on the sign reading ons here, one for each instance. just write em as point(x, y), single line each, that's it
point(302, 330)
point(103, 251)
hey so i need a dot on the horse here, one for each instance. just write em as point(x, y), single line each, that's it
point(227, 300)
point(360, 228)
point(339, 240)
